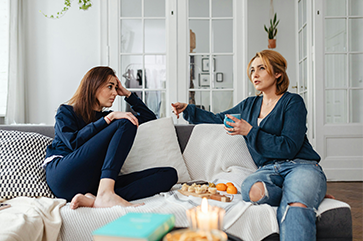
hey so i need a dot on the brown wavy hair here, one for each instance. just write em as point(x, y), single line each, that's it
point(84, 100)
point(275, 63)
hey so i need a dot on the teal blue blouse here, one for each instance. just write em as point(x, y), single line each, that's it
point(280, 136)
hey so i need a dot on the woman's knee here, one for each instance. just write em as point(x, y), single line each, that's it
point(125, 124)
point(172, 175)
point(257, 192)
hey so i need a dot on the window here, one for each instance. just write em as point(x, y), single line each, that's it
point(4, 54)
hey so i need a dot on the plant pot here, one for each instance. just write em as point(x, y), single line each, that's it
point(272, 43)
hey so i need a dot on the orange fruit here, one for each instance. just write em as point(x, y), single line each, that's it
point(231, 190)
point(221, 187)
point(229, 184)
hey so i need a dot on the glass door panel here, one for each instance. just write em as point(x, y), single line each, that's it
point(335, 70)
point(335, 7)
point(131, 8)
point(222, 101)
point(156, 101)
point(356, 34)
point(199, 8)
point(356, 110)
point(223, 72)
point(222, 8)
point(211, 56)
point(356, 7)
point(155, 68)
point(131, 36)
point(335, 35)
point(155, 39)
point(142, 53)
point(201, 30)
point(222, 36)
point(343, 61)
point(356, 70)
point(202, 100)
point(131, 68)
point(154, 8)
point(336, 106)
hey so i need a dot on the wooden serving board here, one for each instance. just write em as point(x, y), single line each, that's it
point(186, 193)
point(217, 196)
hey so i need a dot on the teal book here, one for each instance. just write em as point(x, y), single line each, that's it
point(136, 226)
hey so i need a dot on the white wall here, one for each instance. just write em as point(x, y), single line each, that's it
point(258, 16)
point(58, 54)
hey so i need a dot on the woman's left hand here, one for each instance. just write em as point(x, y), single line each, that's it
point(239, 127)
point(122, 91)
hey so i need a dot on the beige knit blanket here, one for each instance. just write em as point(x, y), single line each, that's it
point(33, 219)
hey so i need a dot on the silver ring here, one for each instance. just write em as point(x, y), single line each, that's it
point(233, 129)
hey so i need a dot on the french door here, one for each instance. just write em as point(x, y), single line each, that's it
point(178, 50)
point(338, 37)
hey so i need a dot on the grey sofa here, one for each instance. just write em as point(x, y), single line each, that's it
point(333, 225)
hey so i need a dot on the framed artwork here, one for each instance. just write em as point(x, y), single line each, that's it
point(206, 66)
point(219, 77)
point(204, 80)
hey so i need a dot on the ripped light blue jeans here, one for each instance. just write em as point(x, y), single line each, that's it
point(286, 182)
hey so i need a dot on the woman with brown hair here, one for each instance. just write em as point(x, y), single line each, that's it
point(273, 124)
point(91, 144)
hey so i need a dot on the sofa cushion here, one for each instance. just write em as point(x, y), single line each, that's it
point(211, 153)
point(156, 145)
point(21, 157)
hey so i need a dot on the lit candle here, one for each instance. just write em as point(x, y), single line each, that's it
point(205, 217)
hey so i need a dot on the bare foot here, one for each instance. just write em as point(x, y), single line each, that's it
point(81, 200)
point(112, 199)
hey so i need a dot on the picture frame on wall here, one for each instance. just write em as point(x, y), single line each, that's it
point(219, 77)
point(204, 80)
point(206, 66)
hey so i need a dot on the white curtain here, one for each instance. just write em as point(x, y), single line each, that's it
point(15, 111)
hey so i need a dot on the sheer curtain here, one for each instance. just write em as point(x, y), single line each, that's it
point(15, 112)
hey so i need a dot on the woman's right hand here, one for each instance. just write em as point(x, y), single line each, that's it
point(178, 108)
point(122, 115)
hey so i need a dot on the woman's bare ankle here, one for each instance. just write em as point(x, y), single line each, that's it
point(111, 199)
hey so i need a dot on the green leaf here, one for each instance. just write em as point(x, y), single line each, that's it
point(275, 18)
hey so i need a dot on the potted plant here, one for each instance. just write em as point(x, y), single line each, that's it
point(272, 31)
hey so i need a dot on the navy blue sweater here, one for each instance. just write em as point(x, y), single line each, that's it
point(71, 132)
point(281, 134)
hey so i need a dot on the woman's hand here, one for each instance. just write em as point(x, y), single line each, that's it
point(239, 127)
point(121, 115)
point(178, 108)
point(122, 91)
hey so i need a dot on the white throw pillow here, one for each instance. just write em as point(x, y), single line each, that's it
point(213, 154)
point(156, 145)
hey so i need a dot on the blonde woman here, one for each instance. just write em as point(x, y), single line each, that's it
point(273, 124)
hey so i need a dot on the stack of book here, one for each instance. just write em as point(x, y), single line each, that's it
point(136, 226)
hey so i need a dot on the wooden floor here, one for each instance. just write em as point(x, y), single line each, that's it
point(351, 193)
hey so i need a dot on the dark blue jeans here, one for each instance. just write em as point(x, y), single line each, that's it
point(102, 157)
